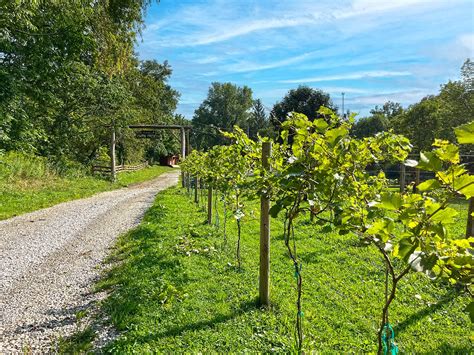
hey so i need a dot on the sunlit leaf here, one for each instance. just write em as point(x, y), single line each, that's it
point(465, 133)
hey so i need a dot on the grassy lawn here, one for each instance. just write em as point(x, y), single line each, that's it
point(28, 195)
point(174, 287)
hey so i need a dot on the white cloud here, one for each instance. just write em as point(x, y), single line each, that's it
point(352, 76)
point(237, 30)
point(467, 41)
point(242, 67)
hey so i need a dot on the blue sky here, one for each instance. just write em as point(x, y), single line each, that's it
point(372, 50)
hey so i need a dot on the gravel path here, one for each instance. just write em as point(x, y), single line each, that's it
point(49, 259)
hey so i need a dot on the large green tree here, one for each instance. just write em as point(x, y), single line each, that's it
point(226, 105)
point(303, 100)
point(380, 120)
point(68, 72)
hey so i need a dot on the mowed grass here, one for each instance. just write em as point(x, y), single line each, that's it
point(175, 287)
point(26, 195)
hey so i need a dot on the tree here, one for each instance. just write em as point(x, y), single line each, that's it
point(258, 122)
point(420, 123)
point(68, 72)
point(369, 126)
point(389, 110)
point(226, 105)
point(380, 120)
point(457, 103)
point(303, 100)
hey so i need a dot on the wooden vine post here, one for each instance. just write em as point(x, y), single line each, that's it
point(402, 177)
point(264, 281)
point(470, 219)
point(112, 152)
point(196, 182)
point(209, 204)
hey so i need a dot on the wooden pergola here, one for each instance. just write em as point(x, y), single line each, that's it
point(149, 131)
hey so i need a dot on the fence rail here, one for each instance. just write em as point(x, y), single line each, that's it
point(119, 168)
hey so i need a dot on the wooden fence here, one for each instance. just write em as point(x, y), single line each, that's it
point(104, 169)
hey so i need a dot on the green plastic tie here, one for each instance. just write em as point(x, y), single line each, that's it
point(388, 341)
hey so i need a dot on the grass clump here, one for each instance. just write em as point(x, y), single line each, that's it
point(175, 287)
point(29, 183)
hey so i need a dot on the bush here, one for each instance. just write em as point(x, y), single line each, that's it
point(16, 165)
point(22, 166)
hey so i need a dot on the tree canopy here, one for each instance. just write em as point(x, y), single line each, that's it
point(434, 116)
point(226, 105)
point(68, 72)
point(303, 100)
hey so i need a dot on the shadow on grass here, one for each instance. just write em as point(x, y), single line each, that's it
point(245, 306)
point(449, 296)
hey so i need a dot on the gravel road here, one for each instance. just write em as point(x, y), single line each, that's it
point(49, 260)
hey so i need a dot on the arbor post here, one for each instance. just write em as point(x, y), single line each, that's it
point(209, 204)
point(188, 143)
point(183, 153)
point(264, 281)
point(402, 177)
point(112, 153)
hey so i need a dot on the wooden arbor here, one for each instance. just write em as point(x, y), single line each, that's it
point(149, 131)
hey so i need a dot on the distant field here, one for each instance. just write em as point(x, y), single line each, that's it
point(177, 289)
point(32, 193)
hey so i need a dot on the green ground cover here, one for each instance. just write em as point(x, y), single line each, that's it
point(19, 194)
point(174, 287)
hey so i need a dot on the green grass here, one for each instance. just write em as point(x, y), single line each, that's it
point(174, 287)
point(32, 193)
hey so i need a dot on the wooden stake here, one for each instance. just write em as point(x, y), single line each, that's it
point(209, 205)
point(470, 219)
point(196, 182)
point(188, 182)
point(264, 281)
point(417, 179)
point(402, 177)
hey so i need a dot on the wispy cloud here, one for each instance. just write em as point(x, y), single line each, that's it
point(372, 50)
point(244, 66)
point(350, 76)
point(249, 27)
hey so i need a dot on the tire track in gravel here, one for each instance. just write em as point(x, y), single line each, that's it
point(50, 259)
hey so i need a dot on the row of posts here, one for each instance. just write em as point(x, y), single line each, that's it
point(264, 273)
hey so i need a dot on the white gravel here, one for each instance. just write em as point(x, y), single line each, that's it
point(49, 260)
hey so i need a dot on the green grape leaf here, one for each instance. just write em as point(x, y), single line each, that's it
point(334, 135)
point(429, 185)
point(320, 124)
point(446, 215)
point(430, 161)
point(390, 201)
point(464, 184)
point(465, 133)
point(406, 247)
